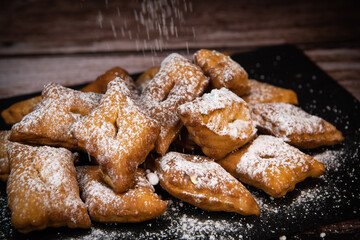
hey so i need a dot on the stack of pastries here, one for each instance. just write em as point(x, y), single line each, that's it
point(248, 132)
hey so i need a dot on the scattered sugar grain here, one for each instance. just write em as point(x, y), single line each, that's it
point(152, 178)
point(332, 159)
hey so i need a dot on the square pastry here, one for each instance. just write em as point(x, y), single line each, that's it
point(139, 203)
point(202, 182)
point(42, 189)
point(294, 125)
point(219, 122)
point(261, 92)
point(51, 120)
point(118, 134)
point(272, 165)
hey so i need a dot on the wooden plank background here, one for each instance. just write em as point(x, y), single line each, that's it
point(72, 42)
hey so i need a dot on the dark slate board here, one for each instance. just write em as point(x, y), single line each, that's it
point(314, 202)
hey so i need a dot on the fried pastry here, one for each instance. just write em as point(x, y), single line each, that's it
point(118, 134)
point(272, 165)
point(178, 81)
point(42, 189)
point(101, 82)
point(139, 203)
point(219, 122)
point(202, 182)
point(50, 122)
point(223, 71)
point(17, 111)
point(261, 92)
point(4, 159)
point(145, 78)
point(294, 125)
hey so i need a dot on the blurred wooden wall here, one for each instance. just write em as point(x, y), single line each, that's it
point(72, 42)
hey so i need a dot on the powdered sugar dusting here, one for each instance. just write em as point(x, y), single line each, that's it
point(118, 134)
point(222, 99)
point(54, 115)
point(4, 160)
point(139, 201)
point(198, 228)
point(285, 119)
point(209, 102)
point(203, 172)
point(228, 71)
point(261, 92)
point(178, 81)
point(47, 176)
point(332, 159)
point(267, 155)
point(309, 202)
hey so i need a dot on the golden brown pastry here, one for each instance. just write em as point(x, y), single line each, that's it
point(118, 134)
point(178, 81)
point(272, 165)
point(219, 122)
point(294, 125)
point(4, 159)
point(50, 122)
point(17, 111)
point(101, 82)
point(145, 78)
point(42, 189)
point(223, 71)
point(139, 203)
point(261, 92)
point(202, 182)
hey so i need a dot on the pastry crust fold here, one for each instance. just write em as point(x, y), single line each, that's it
point(223, 71)
point(118, 134)
point(261, 92)
point(294, 125)
point(139, 203)
point(51, 121)
point(219, 122)
point(272, 165)
point(178, 81)
point(42, 189)
point(202, 182)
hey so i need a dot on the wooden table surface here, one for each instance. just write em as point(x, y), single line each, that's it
point(72, 42)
